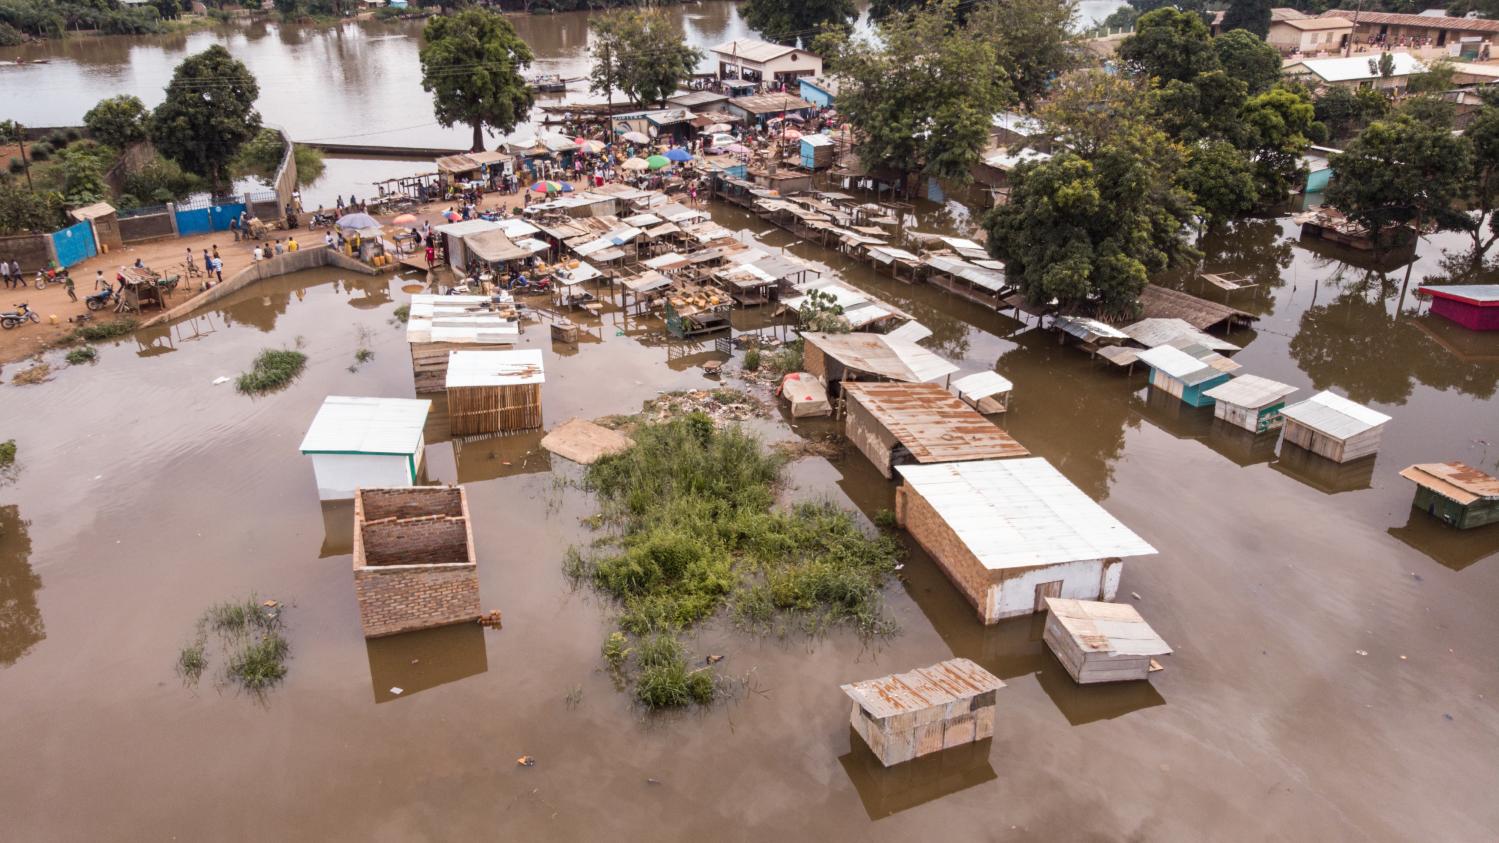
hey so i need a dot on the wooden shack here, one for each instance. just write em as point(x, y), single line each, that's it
point(1101, 642)
point(1010, 533)
point(902, 423)
point(1157, 302)
point(1456, 493)
point(1331, 426)
point(365, 442)
point(835, 358)
point(494, 391)
point(987, 392)
point(907, 715)
point(440, 325)
point(414, 562)
point(1250, 401)
point(1178, 373)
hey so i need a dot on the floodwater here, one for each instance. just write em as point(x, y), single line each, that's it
point(1333, 679)
point(358, 82)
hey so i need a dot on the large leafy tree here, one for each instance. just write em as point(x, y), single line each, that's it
point(1222, 181)
point(654, 57)
point(1251, 15)
point(471, 64)
point(1402, 171)
point(1276, 126)
point(1088, 232)
point(920, 98)
point(1169, 44)
point(1482, 197)
point(784, 21)
point(1248, 59)
point(117, 121)
point(1088, 108)
point(1345, 112)
point(1033, 38)
point(208, 113)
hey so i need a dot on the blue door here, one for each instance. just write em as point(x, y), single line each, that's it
point(75, 244)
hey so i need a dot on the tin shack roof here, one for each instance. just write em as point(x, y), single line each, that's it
point(1334, 415)
point(1250, 391)
point(1162, 302)
point(1178, 364)
point(1162, 330)
point(1454, 480)
point(1482, 295)
point(923, 688)
point(461, 319)
point(1021, 513)
point(350, 425)
point(880, 355)
point(932, 423)
point(495, 368)
point(981, 385)
point(770, 103)
point(1112, 628)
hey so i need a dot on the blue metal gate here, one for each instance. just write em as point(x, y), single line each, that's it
point(75, 244)
point(205, 217)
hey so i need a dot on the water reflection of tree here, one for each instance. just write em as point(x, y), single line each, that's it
point(1353, 343)
point(20, 617)
point(1068, 409)
point(260, 311)
point(1258, 249)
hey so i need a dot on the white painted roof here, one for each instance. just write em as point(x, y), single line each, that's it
point(1162, 330)
point(1250, 391)
point(981, 385)
point(817, 140)
point(752, 49)
point(517, 227)
point(1178, 364)
point(1335, 415)
point(495, 368)
point(1020, 513)
point(434, 318)
point(666, 261)
point(459, 229)
point(367, 426)
point(1358, 67)
point(910, 332)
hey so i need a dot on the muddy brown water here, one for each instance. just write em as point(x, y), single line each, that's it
point(147, 493)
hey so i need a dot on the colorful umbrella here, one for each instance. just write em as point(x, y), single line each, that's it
point(404, 219)
point(678, 154)
point(544, 186)
point(634, 137)
point(567, 188)
point(590, 145)
point(791, 134)
point(656, 162)
point(357, 221)
point(451, 216)
point(635, 164)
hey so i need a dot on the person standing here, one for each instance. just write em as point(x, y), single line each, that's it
point(102, 283)
point(218, 268)
point(5, 274)
point(67, 285)
point(234, 228)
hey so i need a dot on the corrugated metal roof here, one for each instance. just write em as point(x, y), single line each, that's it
point(926, 687)
point(880, 355)
point(1250, 391)
point(355, 425)
point(1113, 628)
point(463, 319)
point(495, 368)
point(1455, 480)
point(465, 227)
point(752, 49)
point(1088, 330)
point(981, 385)
point(931, 423)
point(1334, 415)
point(1160, 331)
point(1178, 364)
point(912, 331)
point(1021, 513)
point(1357, 67)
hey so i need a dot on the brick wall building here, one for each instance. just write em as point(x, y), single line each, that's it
point(414, 564)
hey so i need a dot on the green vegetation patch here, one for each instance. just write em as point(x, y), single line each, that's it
point(694, 529)
point(79, 356)
point(272, 370)
point(249, 644)
point(100, 331)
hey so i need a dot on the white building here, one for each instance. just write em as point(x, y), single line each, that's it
point(365, 443)
point(1360, 71)
point(753, 60)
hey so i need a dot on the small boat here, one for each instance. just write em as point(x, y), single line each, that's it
point(549, 84)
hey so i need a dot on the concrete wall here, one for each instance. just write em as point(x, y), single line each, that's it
point(1091, 579)
point(307, 257)
point(147, 227)
point(32, 250)
point(340, 475)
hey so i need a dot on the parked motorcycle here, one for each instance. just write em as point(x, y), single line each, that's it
point(98, 301)
point(12, 318)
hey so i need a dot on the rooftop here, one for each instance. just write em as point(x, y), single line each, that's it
point(1250, 391)
point(1454, 480)
point(880, 355)
point(349, 425)
point(1021, 513)
point(770, 103)
point(922, 688)
point(461, 319)
point(1178, 364)
point(1113, 628)
point(1162, 330)
point(1163, 302)
point(933, 424)
point(1318, 24)
point(495, 368)
point(981, 385)
point(1367, 18)
point(1355, 68)
point(755, 50)
point(1334, 415)
point(1483, 295)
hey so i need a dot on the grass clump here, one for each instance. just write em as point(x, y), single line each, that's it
point(100, 331)
point(34, 374)
point(694, 529)
point(260, 663)
point(403, 313)
point(752, 359)
point(79, 356)
point(273, 369)
point(192, 661)
point(250, 644)
point(787, 360)
point(7, 453)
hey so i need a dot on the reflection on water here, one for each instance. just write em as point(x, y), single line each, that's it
point(501, 456)
point(21, 625)
point(1082, 704)
point(1323, 474)
point(886, 791)
point(417, 661)
point(1455, 549)
point(1240, 446)
point(338, 528)
point(1254, 248)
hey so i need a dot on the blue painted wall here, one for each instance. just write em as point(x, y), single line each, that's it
point(204, 220)
point(75, 244)
point(815, 95)
point(1193, 396)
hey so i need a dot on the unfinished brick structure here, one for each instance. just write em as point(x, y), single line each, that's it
point(414, 563)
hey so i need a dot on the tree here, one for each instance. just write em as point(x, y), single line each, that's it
point(1346, 112)
point(12, 132)
point(1088, 232)
point(784, 21)
point(1276, 125)
point(1033, 38)
point(1249, 60)
point(1169, 44)
point(209, 112)
point(118, 121)
point(1250, 15)
point(654, 57)
point(25, 210)
point(471, 64)
point(1398, 172)
point(1482, 136)
point(1207, 107)
point(606, 51)
point(922, 98)
point(1089, 107)
point(1436, 79)
point(82, 175)
point(1221, 179)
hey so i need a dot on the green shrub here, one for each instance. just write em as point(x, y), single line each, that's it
point(403, 313)
point(616, 650)
point(40, 151)
point(100, 331)
point(665, 681)
point(7, 453)
point(787, 360)
point(17, 166)
point(752, 359)
point(79, 356)
point(260, 663)
point(57, 139)
point(273, 369)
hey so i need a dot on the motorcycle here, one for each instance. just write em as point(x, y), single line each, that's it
point(98, 301)
point(321, 221)
point(12, 318)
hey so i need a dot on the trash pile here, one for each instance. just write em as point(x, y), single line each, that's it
point(721, 405)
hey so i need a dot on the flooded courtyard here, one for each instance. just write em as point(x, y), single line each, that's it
point(1333, 675)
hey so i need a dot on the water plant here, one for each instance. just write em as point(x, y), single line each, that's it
point(272, 369)
point(100, 331)
point(250, 644)
point(79, 356)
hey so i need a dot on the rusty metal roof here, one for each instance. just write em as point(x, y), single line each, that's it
point(1458, 481)
point(922, 688)
point(933, 424)
point(1114, 628)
